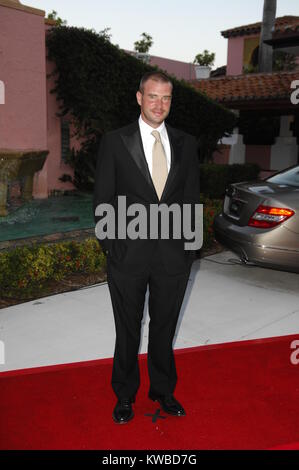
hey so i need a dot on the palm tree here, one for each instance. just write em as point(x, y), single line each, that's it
point(268, 24)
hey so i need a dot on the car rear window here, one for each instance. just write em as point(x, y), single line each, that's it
point(289, 177)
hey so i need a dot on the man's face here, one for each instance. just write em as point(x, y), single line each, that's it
point(155, 102)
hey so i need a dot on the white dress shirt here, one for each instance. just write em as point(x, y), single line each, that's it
point(148, 141)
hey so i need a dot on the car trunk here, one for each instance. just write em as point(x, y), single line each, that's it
point(242, 199)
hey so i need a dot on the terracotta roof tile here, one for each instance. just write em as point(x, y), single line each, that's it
point(283, 23)
point(255, 86)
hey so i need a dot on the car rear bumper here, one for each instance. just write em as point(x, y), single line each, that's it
point(251, 248)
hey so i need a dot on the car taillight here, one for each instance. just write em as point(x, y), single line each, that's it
point(267, 216)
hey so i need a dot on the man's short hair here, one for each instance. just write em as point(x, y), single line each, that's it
point(156, 76)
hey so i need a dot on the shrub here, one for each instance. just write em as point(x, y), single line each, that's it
point(211, 208)
point(27, 270)
point(214, 178)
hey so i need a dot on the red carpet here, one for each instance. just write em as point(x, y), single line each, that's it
point(241, 395)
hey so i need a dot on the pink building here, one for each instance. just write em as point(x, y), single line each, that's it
point(243, 42)
point(181, 70)
point(29, 126)
point(258, 94)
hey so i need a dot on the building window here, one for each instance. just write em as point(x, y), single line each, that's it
point(65, 140)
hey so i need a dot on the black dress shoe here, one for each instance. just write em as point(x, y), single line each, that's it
point(123, 412)
point(169, 404)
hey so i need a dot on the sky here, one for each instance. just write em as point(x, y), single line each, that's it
point(180, 28)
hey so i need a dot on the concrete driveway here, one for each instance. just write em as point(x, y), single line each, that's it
point(224, 302)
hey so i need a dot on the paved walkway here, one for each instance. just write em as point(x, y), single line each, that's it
point(224, 302)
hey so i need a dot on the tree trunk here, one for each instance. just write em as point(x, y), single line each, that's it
point(265, 51)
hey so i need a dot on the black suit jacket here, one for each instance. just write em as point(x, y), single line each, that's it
point(122, 170)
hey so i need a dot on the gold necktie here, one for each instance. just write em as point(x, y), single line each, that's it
point(159, 168)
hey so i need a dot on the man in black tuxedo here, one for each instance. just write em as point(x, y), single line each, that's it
point(149, 162)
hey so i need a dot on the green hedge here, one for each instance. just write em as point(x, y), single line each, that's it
point(96, 84)
point(27, 270)
point(214, 178)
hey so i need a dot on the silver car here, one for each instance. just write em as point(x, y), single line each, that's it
point(260, 220)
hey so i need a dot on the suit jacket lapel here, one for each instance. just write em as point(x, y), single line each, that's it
point(133, 142)
point(176, 142)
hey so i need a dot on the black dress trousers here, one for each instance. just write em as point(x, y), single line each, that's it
point(166, 294)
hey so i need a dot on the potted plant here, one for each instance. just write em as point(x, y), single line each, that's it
point(203, 63)
point(142, 47)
